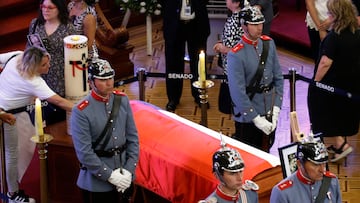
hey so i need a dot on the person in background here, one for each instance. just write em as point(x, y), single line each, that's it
point(23, 82)
point(185, 22)
point(266, 8)
point(317, 23)
point(256, 95)
point(53, 25)
point(333, 115)
point(4, 116)
point(357, 5)
point(231, 35)
point(84, 18)
point(228, 167)
point(108, 155)
point(232, 31)
point(305, 184)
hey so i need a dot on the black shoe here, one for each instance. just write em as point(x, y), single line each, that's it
point(171, 106)
point(20, 197)
point(197, 101)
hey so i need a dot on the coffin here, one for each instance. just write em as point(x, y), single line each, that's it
point(175, 159)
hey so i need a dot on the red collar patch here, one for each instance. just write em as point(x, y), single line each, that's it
point(226, 196)
point(83, 105)
point(98, 97)
point(118, 92)
point(304, 179)
point(285, 185)
point(237, 47)
point(265, 37)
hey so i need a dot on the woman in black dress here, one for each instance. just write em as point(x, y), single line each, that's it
point(331, 114)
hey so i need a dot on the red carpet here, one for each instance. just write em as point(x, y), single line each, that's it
point(289, 29)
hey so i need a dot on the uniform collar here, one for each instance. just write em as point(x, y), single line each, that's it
point(227, 197)
point(303, 179)
point(98, 97)
point(249, 41)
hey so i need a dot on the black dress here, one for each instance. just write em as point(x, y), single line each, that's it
point(333, 114)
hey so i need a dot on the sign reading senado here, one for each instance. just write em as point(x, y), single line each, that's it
point(180, 76)
point(325, 87)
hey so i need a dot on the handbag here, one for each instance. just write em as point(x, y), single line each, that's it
point(34, 39)
point(224, 100)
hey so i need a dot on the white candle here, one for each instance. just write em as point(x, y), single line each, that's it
point(201, 67)
point(38, 119)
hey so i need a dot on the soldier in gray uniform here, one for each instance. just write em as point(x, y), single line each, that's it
point(107, 149)
point(305, 184)
point(228, 167)
point(256, 88)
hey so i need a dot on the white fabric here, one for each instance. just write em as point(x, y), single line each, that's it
point(322, 11)
point(263, 124)
point(121, 180)
point(275, 117)
point(25, 130)
point(183, 16)
point(16, 91)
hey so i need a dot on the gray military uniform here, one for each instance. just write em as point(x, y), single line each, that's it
point(243, 63)
point(298, 189)
point(88, 120)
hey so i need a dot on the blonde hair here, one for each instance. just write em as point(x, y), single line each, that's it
point(344, 15)
point(31, 61)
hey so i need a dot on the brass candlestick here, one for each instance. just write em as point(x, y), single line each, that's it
point(41, 142)
point(202, 88)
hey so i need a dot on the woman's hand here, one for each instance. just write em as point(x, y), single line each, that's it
point(7, 118)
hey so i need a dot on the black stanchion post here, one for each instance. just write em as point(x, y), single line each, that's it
point(292, 73)
point(141, 78)
point(292, 80)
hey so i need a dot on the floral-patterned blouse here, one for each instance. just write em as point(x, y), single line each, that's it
point(231, 35)
point(79, 26)
point(54, 44)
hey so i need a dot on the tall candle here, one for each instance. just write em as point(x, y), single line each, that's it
point(201, 67)
point(38, 119)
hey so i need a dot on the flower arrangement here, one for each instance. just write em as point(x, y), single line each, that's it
point(148, 7)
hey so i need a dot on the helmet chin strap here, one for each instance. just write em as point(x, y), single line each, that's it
point(303, 170)
point(93, 86)
point(219, 176)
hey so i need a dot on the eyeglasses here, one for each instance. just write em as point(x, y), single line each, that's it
point(49, 7)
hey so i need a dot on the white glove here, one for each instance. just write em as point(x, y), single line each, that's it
point(263, 124)
point(275, 117)
point(127, 181)
point(120, 180)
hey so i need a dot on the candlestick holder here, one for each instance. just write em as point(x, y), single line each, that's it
point(202, 87)
point(41, 142)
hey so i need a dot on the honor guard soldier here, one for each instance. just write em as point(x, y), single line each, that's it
point(105, 138)
point(228, 167)
point(255, 83)
point(311, 182)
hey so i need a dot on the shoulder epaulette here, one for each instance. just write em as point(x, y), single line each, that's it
point(250, 185)
point(329, 174)
point(265, 37)
point(237, 47)
point(118, 92)
point(81, 106)
point(285, 185)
